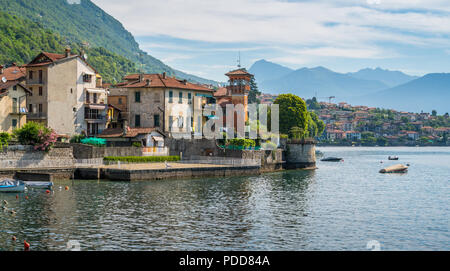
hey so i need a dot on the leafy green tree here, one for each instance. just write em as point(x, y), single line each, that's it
point(434, 113)
point(293, 113)
point(316, 126)
point(5, 138)
point(296, 132)
point(381, 141)
point(313, 104)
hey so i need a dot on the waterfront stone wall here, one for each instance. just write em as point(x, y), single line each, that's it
point(271, 160)
point(300, 155)
point(184, 173)
point(26, 157)
point(82, 151)
point(192, 147)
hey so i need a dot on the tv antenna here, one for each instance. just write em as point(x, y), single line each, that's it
point(239, 60)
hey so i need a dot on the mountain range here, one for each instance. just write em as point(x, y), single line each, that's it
point(374, 87)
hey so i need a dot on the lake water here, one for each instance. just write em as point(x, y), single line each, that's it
point(340, 206)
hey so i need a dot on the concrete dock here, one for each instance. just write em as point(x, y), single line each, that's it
point(159, 171)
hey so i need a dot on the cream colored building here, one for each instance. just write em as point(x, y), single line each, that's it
point(13, 98)
point(159, 101)
point(65, 94)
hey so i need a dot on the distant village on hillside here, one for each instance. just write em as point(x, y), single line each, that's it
point(349, 125)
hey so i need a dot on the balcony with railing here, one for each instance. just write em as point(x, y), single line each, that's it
point(37, 115)
point(94, 116)
point(17, 110)
point(36, 81)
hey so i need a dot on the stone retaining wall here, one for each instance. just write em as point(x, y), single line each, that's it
point(185, 173)
point(82, 151)
point(26, 157)
point(300, 155)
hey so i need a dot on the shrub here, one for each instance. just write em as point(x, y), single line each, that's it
point(5, 138)
point(242, 142)
point(269, 145)
point(77, 138)
point(94, 141)
point(142, 159)
point(137, 144)
point(37, 135)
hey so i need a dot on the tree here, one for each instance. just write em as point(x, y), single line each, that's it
point(316, 126)
point(296, 133)
point(254, 92)
point(434, 113)
point(293, 113)
point(313, 104)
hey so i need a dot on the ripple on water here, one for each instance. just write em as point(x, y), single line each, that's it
point(337, 207)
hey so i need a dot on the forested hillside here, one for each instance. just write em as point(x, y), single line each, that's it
point(21, 40)
point(87, 24)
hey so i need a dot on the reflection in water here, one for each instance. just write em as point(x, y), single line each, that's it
point(339, 206)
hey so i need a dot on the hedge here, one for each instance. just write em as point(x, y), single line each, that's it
point(141, 159)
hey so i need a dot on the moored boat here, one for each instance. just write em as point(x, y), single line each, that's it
point(395, 169)
point(393, 157)
point(39, 185)
point(332, 159)
point(8, 185)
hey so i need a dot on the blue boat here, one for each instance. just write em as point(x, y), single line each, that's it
point(9, 185)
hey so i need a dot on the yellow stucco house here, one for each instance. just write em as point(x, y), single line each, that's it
point(13, 98)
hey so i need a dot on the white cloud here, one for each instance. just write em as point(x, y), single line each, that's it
point(338, 28)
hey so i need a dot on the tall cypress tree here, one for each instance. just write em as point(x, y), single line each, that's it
point(254, 92)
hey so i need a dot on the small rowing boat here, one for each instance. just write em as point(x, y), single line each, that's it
point(395, 169)
point(39, 185)
point(8, 185)
point(332, 159)
point(393, 158)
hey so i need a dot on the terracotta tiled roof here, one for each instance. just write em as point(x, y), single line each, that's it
point(239, 72)
point(49, 59)
point(13, 73)
point(160, 81)
point(53, 58)
point(112, 132)
point(132, 132)
point(220, 92)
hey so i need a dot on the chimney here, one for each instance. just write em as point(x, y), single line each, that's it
point(141, 77)
point(67, 53)
point(185, 82)
point(164, 75)
point(1, 69)
point(147, 82)
point(125, 127)
point(14, 64)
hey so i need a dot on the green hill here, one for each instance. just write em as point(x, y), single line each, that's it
point(21, 40)
point(87, 24)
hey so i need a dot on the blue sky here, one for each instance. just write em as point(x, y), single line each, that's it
point(205, 37)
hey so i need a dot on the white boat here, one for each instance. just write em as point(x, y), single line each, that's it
point(8, 185)
point(39, 185)
point(395, 169)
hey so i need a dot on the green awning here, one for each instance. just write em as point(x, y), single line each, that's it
point(204, 95)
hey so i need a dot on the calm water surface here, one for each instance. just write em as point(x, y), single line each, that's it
point(340, 206)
